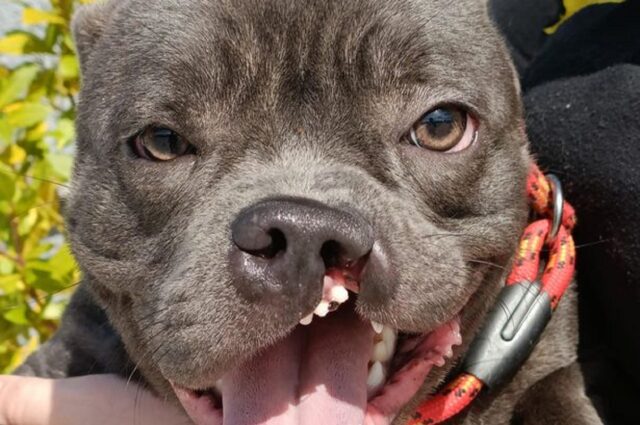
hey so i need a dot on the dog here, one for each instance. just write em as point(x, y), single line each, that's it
point(274, 202)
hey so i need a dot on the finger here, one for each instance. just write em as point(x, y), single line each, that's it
point(98, 399)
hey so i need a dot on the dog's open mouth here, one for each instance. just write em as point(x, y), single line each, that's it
point(339, 369)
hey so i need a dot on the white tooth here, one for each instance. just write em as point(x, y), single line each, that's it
point(376, 379)
point(448, 353)
point(389, 336)
point(306, 320)
point(439, 361)
point(339, 294)
point(377, 327)
point(380, 352)
point(322, 309)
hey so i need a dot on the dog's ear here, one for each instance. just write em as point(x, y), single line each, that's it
point(88, 25)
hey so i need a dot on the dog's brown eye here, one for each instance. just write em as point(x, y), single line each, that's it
point(444, 129)
point(160, 144)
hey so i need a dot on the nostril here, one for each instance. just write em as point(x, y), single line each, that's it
point(334, 255)
point(331, 253)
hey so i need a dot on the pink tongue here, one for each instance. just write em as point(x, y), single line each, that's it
point(317, 375)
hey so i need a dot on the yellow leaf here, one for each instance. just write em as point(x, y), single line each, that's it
point(37, 132)
point(36, 16)
point(16, 155)
point(571, 7)
point(10, 284)
point(12, 107)
point(14, 44)
point(27, 222)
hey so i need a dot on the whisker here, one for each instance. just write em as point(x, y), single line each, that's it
point(487, 263)
point(45, 297)
point(42, 205)
point(41, 179)
point(590, 244)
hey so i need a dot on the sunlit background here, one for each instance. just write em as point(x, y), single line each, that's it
point(38, 84)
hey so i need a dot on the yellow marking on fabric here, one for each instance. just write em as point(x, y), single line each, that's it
point(524, 249)
point(537, 243)
point(571, 7)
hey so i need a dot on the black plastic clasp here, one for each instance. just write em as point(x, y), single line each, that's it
point(509, 334)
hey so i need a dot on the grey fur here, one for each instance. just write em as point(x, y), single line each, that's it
point(290, 98)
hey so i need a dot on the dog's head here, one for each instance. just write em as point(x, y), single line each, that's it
point(243, 164)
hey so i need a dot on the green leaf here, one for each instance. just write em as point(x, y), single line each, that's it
point(39, 251)
point(17, 315)
point(6, 266)
point(27, 114)
point(7, 185)
point(61, 164)
point(16, 86)
point(43, 279)
point(53, 275)
point(6, 133)
point(65, 133)
point(62, 263)
point(68, 68)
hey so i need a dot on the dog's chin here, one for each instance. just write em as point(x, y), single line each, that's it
point(340, 369)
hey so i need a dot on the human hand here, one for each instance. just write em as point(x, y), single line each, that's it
point(87, 400)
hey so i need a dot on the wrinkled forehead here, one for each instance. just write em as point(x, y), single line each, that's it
point(230, 42)
point(226, 54)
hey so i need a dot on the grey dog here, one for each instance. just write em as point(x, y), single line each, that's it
point(237, 159)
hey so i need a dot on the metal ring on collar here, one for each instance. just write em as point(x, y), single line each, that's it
point(558, 205)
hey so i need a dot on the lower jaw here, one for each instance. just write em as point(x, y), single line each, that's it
point(311, 401)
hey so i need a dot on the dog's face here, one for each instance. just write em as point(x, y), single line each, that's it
point(240, 162)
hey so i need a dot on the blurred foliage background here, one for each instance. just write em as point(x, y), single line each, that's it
point(39, 81)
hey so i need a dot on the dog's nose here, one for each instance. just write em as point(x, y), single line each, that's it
point(282, 248)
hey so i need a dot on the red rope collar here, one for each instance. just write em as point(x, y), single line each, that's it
point(551, 285)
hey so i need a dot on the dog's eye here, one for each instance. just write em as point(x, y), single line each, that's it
point(160, 144)
point(444, 129)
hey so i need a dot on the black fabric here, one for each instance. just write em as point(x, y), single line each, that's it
point(582, 99)
point(587, 131)
point(521, 22)
point(594, 38)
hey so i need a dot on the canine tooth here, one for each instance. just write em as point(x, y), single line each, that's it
point(322, 309)
point(339, 294)
point(381, 352)
point(439, 361)
point(306, 320)
point(377, 327)
point(389, 336)
point(448, 353)
point(377, 377)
